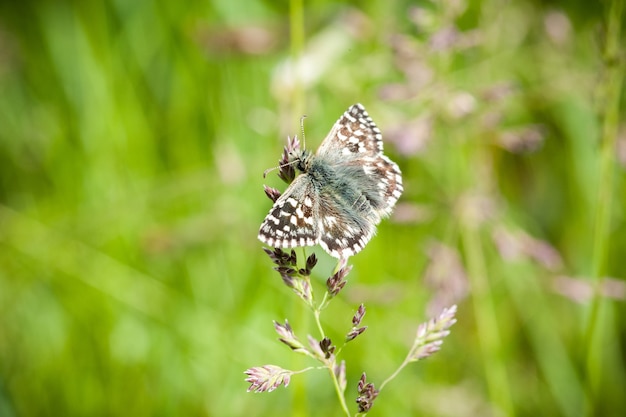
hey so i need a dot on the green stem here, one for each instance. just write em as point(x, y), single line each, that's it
point(316, 314)
point(395, 373)
point(487, 326)
point(610, 96)
point(331, 365)
point(324, 302)
point(299, 389)
point(340, 394)
point(300, 392)
point(611, 88)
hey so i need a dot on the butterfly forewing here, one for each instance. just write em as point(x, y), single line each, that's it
point(354, 135)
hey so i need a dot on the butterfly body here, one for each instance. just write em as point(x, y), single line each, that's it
point(342, 193)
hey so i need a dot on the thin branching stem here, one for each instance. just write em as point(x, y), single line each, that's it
point(340, 395)
point(396, 372)
point(320, 328)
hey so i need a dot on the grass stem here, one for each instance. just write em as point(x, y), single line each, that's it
point(610, 89)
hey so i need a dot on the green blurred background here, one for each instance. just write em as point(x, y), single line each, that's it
point(133, 137)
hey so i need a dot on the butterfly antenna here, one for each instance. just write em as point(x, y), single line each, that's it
point(302, 129)
point(267, 171)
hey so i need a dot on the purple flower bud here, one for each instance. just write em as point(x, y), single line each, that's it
point(272, 193)
point(367, 394)
point(287, 336)
point(267, 378)
point(358, 316)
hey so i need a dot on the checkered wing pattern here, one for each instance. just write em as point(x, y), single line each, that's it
point(355, 139)
point(292, 220)
point(354, 136)
point(343, 234)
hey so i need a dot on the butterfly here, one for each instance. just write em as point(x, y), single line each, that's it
point(343, 192)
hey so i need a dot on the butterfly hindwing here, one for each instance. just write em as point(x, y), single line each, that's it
point(291, 221)
point(342, 234)
point(388, 179)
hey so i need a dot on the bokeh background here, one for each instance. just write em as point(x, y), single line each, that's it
point(133, 137)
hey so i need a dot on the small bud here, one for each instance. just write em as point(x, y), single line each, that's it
point(311, 261)
point(361, 383)
point(267, 378)
point(302, 287)
point(367, 394)
point(336, 283)
point(327, 347)
point(316, 348)
point(358, 316)
point(287, 270)
point(287, 336)
point(271, 254)
point(286, 266)
point(430, 335)
point(293, 258)
point(354, 332)
point(286, 171)
point(278, 256)
point(272, 193)
point(288, 280)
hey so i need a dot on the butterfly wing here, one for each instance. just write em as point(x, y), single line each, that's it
point(388, 184)
point(356, 140)
point(344, 232)
point(291, 221)
point(354, 135)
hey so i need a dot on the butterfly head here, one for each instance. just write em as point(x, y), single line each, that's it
point(301, 159)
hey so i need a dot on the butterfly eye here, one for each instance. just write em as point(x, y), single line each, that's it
point(304, 161)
